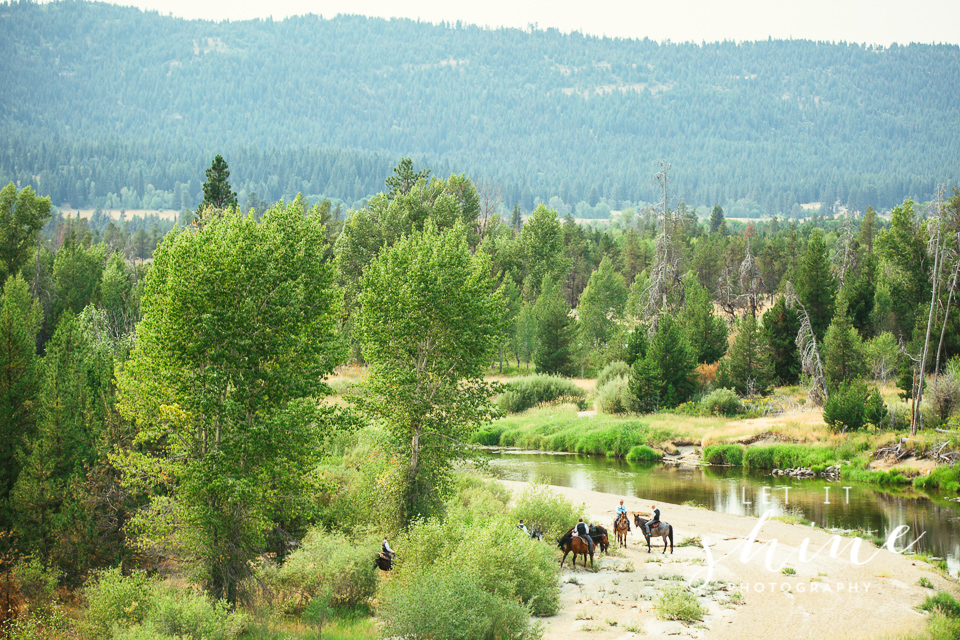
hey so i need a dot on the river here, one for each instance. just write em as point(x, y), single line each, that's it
point(840, 505)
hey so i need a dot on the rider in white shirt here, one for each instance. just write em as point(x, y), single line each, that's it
point(623, 510)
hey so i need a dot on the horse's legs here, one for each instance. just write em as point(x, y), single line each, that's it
point(565, 557)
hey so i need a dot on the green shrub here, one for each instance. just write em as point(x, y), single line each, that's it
point(115, 600)
point(731, 454)
point(875, 409)
point(540, 505)
point(37, 584)
point(523, 393)
point(615, 397)
point(618, 369)
point(330, 562)
point(677, 602)
point(847, 406)
point(943, 602)
point(183, 614)
point(452, 605)
point(944, 477)
point(643, 453)
point(723, 402)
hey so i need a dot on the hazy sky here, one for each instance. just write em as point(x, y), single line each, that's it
point(863, 21)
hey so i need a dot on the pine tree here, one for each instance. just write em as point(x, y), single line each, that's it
point(816, 285)
point(664, 378)
point(748, 367)
point(555, 331)
point(516, 220)
point(706, 333)
point(843, 347)
point(716, 219)
point(780, 328)
point(20, 319)
point(216, 190)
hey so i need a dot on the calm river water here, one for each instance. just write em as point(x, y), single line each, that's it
point(845, 505)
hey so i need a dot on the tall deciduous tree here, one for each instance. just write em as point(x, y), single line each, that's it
point(22, 216)
point(236, 338)
point(542, 240)
point(430, 322)
point(601, 309)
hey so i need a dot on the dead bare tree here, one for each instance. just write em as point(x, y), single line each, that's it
point(661, 292)
point(845, 255)
point(752, 285)
point(809, 351)
point(491, 197)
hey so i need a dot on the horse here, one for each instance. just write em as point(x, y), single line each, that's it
point(621, 524)
point(578, 546)
point(384, 562)
point(660, 530)
point(599, 535)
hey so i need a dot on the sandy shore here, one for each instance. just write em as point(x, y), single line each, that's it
point(829, 596)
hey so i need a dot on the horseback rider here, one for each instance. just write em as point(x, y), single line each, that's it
point(622, 513)
point(654, 521)
point(523, 528)
point(582, 531)
point(385, 549)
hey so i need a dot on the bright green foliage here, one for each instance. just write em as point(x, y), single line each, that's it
point(614, 396)
point(542, 240)
point(723, 402)
point(76, 276)
point(843, 350)
point(847, 406)
point(706, 333)
point(780, 328)
point(748, 367)
point(882, 356)
point(20, 319)
point(216, 190)
point(731, 454)
point(601, 308)
point(554, 331)
point(816, 285)
point(903, 249)
point(430, 322)
point(236, 338)
point(329, 563)
point(538, 505)
point(665, 377)
point(524, 393)
point(22, 216)
point(525, 336)
point(65, 446)
point(677, 602)
point(117, 295)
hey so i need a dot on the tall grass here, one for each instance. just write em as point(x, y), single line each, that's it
point(520, 394)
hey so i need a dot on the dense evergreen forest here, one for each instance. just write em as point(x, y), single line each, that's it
point(113, 107)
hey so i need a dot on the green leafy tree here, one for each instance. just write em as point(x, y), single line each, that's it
point(843, 350)
point(77, 271)
point(22, 216)
point(816, 285)
point(236, 338)
point(542, 240)
point(555, 331)
point(217, 193)
point(706, 333)
point(430, 323)
point(665, 377)
point(748, 367)
point(20, 318)
point(601, 309)
point(905, 273)
point(780, 328)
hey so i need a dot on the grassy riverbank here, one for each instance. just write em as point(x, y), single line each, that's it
point(791, 440)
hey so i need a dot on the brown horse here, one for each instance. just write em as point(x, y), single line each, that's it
point(622, 526)
point(577, 545)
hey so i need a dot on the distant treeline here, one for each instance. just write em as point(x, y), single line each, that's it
point(114, 107)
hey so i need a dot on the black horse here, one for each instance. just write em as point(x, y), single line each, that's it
point(384, 562)
point(599, 535)
point(659, 530)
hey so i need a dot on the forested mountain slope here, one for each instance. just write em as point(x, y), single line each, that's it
point(98, 98)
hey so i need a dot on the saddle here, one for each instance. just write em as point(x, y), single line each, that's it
point(654, 526)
